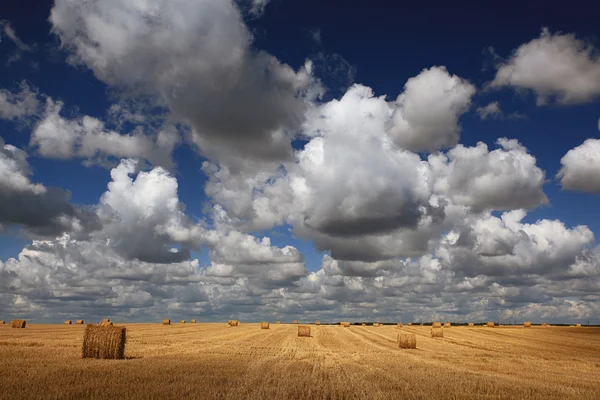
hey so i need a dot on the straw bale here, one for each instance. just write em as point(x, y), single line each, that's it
point(491, 324)
point(400, 325)
point(182, 321)
point(436, 324)
point(410, 324)
point(79, 322)
point(437, 332)
point(471, 324)
point(346, 325)
point(264, 325)
point(166, 322)
point(106, 323)
point(447, 324)
point(303, 330)
point(296, 322)
point(105, 342)
point(407, 341)
point(193, 321)
point(318, 322)
point(68, 322)
point(18, 323)
point(578, 325)
point(527, 324)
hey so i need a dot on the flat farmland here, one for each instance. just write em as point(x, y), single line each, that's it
point(217, 361)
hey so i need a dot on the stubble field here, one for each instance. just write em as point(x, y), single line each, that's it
point(245, 362)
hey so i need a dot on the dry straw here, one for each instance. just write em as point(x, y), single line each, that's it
point(407, 341)
point(491, 324)
point(233, 322)
point(375, 324)
point(2, 322)
point(264, 325)
point(410, 324)
point(68, 322)
point(447, 324)
point(578, 326)
point(303, 331)
point(364, 324)
point(79, 322)
point(193, 321)
point(296, 321)
point(106, 342)
point(105, 320)
point(527, 324)
point(435, 325)
point(18, 323)
point(278, 322)
point(166, 322)
point(106, 323)
point(471, 324)
point(182, 321)
point(318, 322)
point(346, 324)
point(400, 325)
point(437, 332)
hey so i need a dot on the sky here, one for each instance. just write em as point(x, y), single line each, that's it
point(279, 160)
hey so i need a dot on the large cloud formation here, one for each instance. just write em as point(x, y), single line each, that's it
point(581, 167)
point(196, 57)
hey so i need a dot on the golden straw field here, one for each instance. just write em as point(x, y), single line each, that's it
point(360, 362)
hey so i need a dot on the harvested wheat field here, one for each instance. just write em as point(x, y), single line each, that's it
point(208, 361)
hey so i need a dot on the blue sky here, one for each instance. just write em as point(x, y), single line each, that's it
point(380, 45)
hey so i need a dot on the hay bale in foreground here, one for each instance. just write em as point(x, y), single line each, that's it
point(346, 324)
point(193, 321)
point(436, 324)
point(527, 324)
point(437, 332)
point(318, 322)
point(105, 342)
point(264, 325)
point(68, 322)
point(578, 326)
point(79, 322)
point(303, 331)
point(105, 323)
point(471, 324)
point(166, 322)
point(295, 322)
point(491, 324)
point(407, 341)
point(447, 324)
point(18, 323)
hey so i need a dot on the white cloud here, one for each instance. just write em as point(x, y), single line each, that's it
point(426, 113)
point(581, 167)
point(258, 7)
point(86, 137)
point(556, 66)
point(195, 57)
point(492, 110)
point(19, 106)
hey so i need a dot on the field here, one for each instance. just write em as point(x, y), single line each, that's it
point(245, 362)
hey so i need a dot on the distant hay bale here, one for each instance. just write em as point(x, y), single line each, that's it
point(193, 321)
point(296, 322)
point(105, 342)
point(447, 324)
point(303, 331)
point(578, 326)
point(264, 325)
point(410, 324)
point(68, 322)
point(436, 324)
point(407, 341)
point(318, 322)
point(2, 322)
point(421, 324)
point(79, 322)
point(400, 325)
point(376, 324)
point(278, 322)
point(166, 322)
point(364, 324)
point(233, 322)
point(491, 324)
point(544, 324)
point(106, 323)
point(437, 332)
point(105, 320)
point(182, 321)
point(471, 324)
point(18, 323)
point(346, 325)
point(527, 324)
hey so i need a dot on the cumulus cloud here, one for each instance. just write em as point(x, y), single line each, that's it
point(20, 106)
point(581, 167)
point(502, 179)
point(196, 57)
point(492, 110)
point(40, 209)
point(86, 137)
point(558, 66)
point(427, 111)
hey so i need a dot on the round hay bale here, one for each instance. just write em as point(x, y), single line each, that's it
point(18, 323)
point(193, 321)
point(303, 331)
point(233, 322)
point(491, 324)
point(2, 322)
point(278, 322)
point(68, 322)
point(79, 322)
point(346, 324)
point(182, 321)
point(105, 320)
point(364, 324)
point(295, 322)
point(437, 332)
point(447, 324)
point(436, 324)
point(166, 322)
point(471, 324)
point(578, 326)
point(407, 341)
point(527, 324)
point(400, 325)
point(410, 324)
point(104, 342)
point(106, 323)
point(318, 322)
point(264, 325)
